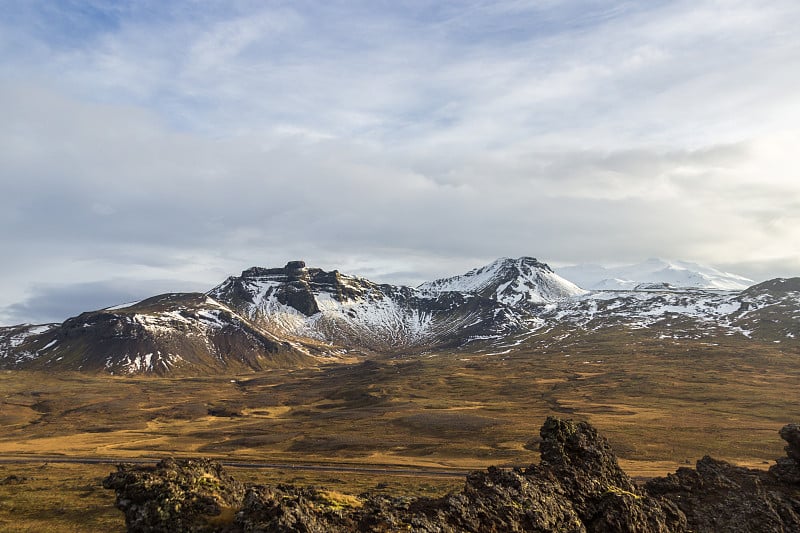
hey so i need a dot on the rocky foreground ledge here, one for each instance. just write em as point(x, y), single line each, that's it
point(577, 487)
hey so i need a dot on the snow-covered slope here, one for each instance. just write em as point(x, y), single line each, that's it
point(159, 335)
point(296, 301)
point(295, 315)
point(287, 314)
point(678, 274)
point(768, 312)
point(509, 281)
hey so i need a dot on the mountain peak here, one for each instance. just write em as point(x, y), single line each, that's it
point(521, 263)
point(509, 281)
point(295, 265)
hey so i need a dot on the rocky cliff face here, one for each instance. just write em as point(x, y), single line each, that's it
point(577, 487)
point(300, 302)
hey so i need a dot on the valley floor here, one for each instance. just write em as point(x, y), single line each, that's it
point(662, 404)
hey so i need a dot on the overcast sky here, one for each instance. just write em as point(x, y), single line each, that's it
point(151, 146)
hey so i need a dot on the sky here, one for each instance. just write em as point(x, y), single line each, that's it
point(155, 146)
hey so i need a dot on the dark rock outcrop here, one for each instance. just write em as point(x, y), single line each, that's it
point(718, 496)
point(787, 468)
point(176, 495)
point(603, 496)
point(577, 487)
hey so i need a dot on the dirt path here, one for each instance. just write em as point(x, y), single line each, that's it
point(328, 467)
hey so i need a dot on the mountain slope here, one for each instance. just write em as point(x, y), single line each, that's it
point(771, 310)
point(160, 335)
point(768, 312)
point(295, 315)
point(300, 302)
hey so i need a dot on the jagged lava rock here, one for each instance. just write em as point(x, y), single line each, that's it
point(718, 496)
point(176, 495)
point(604, 497)
point(578, 487)
point(787, 468)
point(289, 509)
point(791, 434)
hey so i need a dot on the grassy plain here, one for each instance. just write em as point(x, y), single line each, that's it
point(661, 402)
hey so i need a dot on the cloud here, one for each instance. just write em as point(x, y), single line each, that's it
point(413, 141)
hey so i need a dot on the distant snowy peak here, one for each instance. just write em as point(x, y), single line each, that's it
point(509, 281)
point(676, 274)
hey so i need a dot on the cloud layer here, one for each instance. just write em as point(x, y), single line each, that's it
point(190, 140)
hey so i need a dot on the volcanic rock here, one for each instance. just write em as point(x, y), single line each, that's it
point(577, 487)
point(718, 496)
point(787, 468)
point(601, 493)
point(176, 495)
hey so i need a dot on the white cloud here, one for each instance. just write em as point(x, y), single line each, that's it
point(415, 140)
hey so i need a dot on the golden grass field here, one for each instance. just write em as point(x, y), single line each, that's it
point(661, 403)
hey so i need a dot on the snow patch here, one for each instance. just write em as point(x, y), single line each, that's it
point(49, 345)
point(122, 306)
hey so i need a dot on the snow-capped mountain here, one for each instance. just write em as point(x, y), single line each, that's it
point(300, 302)
point(653, 272)
point(509, 281)
point(768, 312)
point(296, 315)
point(160, 335)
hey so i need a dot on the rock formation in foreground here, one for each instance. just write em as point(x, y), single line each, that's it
point(577, 487)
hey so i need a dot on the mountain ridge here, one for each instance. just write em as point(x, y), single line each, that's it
point(299, 315)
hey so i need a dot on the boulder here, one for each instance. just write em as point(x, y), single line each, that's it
point(176, 495)
point(787, 468)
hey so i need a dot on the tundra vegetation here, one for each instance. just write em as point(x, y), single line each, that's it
point(662, 403)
